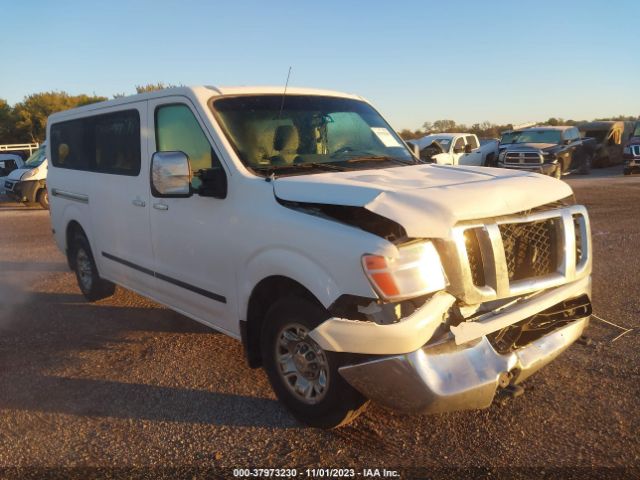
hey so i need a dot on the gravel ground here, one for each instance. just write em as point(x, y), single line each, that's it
point(126, 387)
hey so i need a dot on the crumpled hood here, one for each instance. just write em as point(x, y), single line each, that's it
point(427, 200)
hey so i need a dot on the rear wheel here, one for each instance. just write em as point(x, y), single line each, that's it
point(43, 198)
point(305, 377)
point(586, 166)
point(92, 286)
point(627, 171)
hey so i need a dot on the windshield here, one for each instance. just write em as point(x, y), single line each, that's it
point(445, 143)
point(36, 159)
point(299, 133)
point(509, 137)
point(539, 136)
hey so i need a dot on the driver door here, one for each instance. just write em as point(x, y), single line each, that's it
point(191, 237)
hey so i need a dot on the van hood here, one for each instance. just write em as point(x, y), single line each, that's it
point(427, 200)
point(17, 173)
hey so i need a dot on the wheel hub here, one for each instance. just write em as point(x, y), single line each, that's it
point(303, 365)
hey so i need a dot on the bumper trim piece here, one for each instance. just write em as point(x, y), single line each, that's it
point(448, 377)
point(355, 336)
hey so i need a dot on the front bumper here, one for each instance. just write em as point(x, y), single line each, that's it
point(448, 377)
point(544, 168)
point(22, 191)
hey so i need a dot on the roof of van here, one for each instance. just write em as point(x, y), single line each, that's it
point(203, 93)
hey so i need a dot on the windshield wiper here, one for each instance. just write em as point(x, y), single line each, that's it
point(377, 158)
point(301, 166)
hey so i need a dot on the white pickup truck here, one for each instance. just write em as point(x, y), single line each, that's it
point(457, 149)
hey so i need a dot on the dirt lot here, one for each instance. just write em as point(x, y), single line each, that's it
point(126, 387)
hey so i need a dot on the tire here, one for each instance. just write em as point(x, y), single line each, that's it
point(627, 171)
point(91, 285)
point(43, 198)
point(557, 173)
point(330, 401)
point(585, 169)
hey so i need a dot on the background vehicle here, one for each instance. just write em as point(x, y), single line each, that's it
point(610, 137)
point(8, 163)
point(305, 228)
point(457, 149)
point(631, 152)
point(549, 150)
point(29, 183)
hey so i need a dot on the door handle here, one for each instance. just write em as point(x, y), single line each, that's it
point(160, 206)
point(138, 203)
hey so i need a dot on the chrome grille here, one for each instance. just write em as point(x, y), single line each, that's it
point(518, 254)
point(530, 249)
point(519, 158)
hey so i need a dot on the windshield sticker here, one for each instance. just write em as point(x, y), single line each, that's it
point(385, 137)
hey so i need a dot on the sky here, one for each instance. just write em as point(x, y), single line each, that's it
point(416, 61)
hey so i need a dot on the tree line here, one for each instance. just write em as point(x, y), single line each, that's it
point(492, 130)
point(26, 121)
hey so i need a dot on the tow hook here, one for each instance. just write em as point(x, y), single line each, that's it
point(507, 390)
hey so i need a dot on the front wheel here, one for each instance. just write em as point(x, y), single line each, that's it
point(557, 173)
point(305, 377)
point(43, 198)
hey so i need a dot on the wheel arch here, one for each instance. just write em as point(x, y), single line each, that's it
point(268, 291)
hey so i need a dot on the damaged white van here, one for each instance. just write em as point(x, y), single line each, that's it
point(302, 225)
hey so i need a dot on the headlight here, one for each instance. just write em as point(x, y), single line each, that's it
point(29, 174)
point(416, 271)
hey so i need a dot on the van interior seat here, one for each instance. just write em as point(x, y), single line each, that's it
point(286, 142)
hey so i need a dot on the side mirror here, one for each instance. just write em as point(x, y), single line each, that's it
point(213, 182)
point(467, 148)
point(568, 141)
point(170, 175)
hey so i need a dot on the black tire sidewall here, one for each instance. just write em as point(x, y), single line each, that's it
point(81, 243)
point(341, 400)
point(43, 198)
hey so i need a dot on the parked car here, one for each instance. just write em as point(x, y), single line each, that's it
point(553, 151)
point(610, 137)
point(631, 152)
point(303, 226)
point(457, 149)
point(29, 182)
point(8, 163)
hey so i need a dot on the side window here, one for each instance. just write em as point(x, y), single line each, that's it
point(177, 130)
point(70, 145)
point(471, 140)
point(108, 143)
point(459, 145)
point(117, 143)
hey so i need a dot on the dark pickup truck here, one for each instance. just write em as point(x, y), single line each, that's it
point(631, 152)
point(552, 151)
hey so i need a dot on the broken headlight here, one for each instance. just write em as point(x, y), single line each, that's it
point(416, 271)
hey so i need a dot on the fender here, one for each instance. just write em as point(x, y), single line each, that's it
point(298, 266)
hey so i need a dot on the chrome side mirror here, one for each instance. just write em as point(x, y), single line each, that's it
point(170, 175)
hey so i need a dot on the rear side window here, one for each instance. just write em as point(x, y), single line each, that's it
point(108, 143)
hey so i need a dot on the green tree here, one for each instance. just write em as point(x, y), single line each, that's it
point(152, 87)
point(31, 114)
point(7, 122)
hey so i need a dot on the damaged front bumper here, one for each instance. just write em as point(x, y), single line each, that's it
point(449, 377)
point(464, 370)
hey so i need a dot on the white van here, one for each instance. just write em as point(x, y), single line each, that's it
point(8, 163)
point(29, 182)
point(302, 225)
